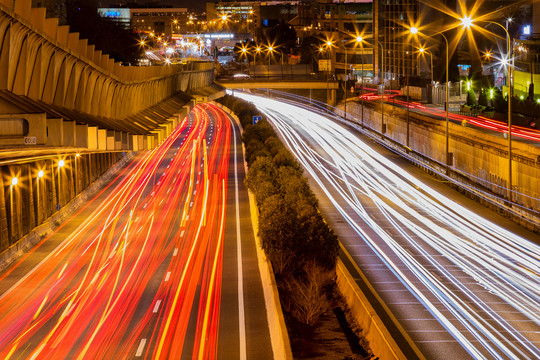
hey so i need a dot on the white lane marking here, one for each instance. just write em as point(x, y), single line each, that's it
point(140, 348)
point(167, 276)
point(156, 307)
point(191, 204)
point(182, 233)
point(175, 252)
point(241, 310)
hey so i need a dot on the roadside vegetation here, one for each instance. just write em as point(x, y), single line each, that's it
point(300, 245)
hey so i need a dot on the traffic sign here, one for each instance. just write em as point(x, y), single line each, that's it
point(256, 119)
point(58, 207)
point(325, 65)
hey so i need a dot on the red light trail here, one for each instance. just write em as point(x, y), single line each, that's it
point(480, 121)
point(96, 295)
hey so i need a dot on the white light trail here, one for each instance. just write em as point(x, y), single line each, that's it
point(425, 227)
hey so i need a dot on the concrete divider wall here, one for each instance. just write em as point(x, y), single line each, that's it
point(483, 156)
point(373, 329)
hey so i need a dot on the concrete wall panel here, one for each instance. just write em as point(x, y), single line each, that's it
point(55, 132)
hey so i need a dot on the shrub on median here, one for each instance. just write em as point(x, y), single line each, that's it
point(293, 233)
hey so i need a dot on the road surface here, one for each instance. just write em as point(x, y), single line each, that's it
point(460, 285)
point(160, 265)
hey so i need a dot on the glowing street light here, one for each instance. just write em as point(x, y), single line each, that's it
point(14, 181)
point(422, 51)
point(467, 22)
point(40, 174)
point(414, 30)
point(61, 163)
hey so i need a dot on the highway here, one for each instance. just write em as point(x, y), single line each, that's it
point(459, 285)
point(160, 265)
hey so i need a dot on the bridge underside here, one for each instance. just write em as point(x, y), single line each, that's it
point(273, 84)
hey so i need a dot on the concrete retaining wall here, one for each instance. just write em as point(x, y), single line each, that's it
point(35, 199)
point(479, 158)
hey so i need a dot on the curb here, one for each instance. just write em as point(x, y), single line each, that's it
point(37, 234)
point(279, 336)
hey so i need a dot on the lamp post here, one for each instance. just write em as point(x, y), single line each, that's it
point(422, 51)
point(414, 31)
point(270, 51)
point(468, 22)
point(257, 51)
point(61, 164)
point(14, 182)
point(358, 40)
point(383, 127)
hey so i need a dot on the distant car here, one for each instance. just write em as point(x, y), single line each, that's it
point(241, 77)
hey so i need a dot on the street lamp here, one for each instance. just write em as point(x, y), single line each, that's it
point(358, 40)
point(270, 52)
point(14, 181)
point(422, 51)
point(257, 51)
point(468, 22)
point(414, 31)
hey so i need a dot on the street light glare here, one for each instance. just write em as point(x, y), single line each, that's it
point(224, 17)
point(271, 48)
point(258, 49)
point(359, 39)
point(466, 21)
point(61, 163)
point(14, 181)
point(328, 43)
point(40, 173)
point(422, 50)
point(414, 30)
point(244, 50)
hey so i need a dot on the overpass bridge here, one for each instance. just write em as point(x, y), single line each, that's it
point(64, 102)
point(285, 84)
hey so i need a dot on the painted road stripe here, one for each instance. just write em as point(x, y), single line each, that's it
point(156, 307)
point(140, 348)
point(182, 233)
point(167, 276)
point(175, 252)
point(241, 310)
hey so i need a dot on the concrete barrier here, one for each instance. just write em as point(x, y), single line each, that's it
point(373, 328)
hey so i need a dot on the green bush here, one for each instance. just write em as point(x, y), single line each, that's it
point(471, 98)
point(483, 98)
point(293, 233)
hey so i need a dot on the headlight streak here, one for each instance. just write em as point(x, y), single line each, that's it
point(84, 294)
point(501, 262)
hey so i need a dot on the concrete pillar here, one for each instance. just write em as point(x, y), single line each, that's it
point(55, 132)
point(69, 133)
point(102, 139)
point(117, 140)
point(110, 139)
point(81, 136)
point(93, 138)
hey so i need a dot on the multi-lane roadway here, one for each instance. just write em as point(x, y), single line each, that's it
point(160, 265)
point(459, 285)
